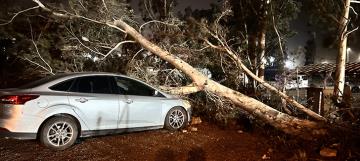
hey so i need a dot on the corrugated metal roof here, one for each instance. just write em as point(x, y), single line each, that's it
point(353, 67)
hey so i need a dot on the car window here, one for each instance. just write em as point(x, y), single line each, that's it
point(92, 84)
point(62, 86)
point(132, 87)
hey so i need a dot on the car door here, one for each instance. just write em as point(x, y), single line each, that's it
point(97, 104)
point(140, 107)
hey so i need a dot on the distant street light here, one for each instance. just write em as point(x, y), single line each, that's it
point(271, 59)
point(289, 64)
point(348, 50)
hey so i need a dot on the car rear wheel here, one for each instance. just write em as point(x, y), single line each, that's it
point(59, 133)
point(176, 119)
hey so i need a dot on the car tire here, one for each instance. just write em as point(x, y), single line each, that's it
point(59, 133)
point(176, 119)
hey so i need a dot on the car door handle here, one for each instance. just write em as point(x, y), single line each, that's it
point(129, 101)
point(81, 100)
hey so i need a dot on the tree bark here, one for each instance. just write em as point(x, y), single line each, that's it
point(262, 38)
point(282, 121)
point(341, 58)
point(262, 45)
point(253, 57)
point(191, 88)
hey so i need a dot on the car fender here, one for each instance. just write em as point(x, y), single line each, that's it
point(63, 109)
point(168, 104)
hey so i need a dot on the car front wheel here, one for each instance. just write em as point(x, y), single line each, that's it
point(176, 119)
point(59, 133)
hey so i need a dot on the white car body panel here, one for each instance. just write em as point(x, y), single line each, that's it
point(140, 111)
point(98, 112)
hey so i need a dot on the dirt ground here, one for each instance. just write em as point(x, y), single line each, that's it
point(209, 142)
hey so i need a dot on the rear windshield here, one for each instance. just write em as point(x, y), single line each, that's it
point(42, 81)
point(63, 86)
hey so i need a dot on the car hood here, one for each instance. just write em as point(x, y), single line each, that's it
point(169, 95)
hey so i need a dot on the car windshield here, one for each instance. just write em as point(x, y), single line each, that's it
point(42, 81)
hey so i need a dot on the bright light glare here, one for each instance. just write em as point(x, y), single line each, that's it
point(289, 64)
point(271, 59)
point(348, 49)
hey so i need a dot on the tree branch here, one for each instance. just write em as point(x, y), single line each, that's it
point(116, 46)
point(37, 64)
point(115, 27)
point(352, 8)
point(17, 13)
point(184, 90)
point(49, 69)
point(155, 21)
point(349, 32)
point(70, 16)
point(278, 35)
point(354, 1)
point(72, 34)
point(268, 86)
point(103, 1)
point(42, 59)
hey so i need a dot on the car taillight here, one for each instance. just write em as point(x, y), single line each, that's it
point(17, 99)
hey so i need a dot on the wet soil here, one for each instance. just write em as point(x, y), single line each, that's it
point(209, 142)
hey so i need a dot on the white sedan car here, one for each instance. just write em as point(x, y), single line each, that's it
point(59, 109)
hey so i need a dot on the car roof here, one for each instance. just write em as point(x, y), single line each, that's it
point(45, 83)
point(60, 77)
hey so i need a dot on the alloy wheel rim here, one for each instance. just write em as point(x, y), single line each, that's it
point(60, 133)
point(176, 119)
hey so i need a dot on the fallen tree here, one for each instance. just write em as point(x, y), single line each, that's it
point(279, 120)
point(288, 124)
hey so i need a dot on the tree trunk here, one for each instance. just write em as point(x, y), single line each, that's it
point(341, 58)
point(262, 47)
point(262, 38)
point(253, 57)
point(282, 121)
